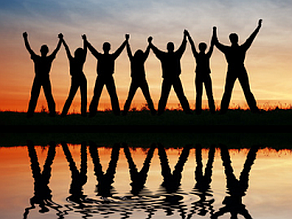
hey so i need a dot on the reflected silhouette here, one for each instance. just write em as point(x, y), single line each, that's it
point(172, 198)
point(105, 71)
point(235, 56)
point(236, 188)
point(203, 183)
point(79, 178)
point(138, 78)
point(42, 192)
point(104, 187)
point(171, 69)
point(42, 67)
point(138, 178)
point(171, 181)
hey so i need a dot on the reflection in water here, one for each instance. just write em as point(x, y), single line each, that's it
point(138, 178)
point(42, 192)
point(236, 188)
point(104, 187)
point(203, 184)
point(169, 199)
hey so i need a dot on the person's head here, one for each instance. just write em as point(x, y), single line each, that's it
point(170, 47)
point(79, 52)
point(233, 37)
point(106, 47)
point(44, 50)
point(138, 54)
point(202, 47)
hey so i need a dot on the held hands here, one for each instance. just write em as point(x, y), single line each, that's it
point(186, 33)
point(24, 35)
point(127, 36)
point(60, 36)
point(150, 39)
point(84, 37)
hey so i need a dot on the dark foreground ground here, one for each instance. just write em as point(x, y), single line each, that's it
point(144, 118)
point(236, 129)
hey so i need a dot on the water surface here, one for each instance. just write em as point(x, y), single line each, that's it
point(86, 180)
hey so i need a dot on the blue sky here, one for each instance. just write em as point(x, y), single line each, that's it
point(269, 59)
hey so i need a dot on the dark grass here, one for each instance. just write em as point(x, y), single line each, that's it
point(236, 117)
point(236, 129)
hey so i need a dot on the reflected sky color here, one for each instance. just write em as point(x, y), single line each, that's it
point(268, 60)
point(268, 194)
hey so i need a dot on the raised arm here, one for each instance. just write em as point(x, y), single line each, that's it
point(156, 51)
point(27, 46)
point(121, 48)
point(147, 51)
point(251, 38)
point(84, 44)
point(130, 55)
point(195, 53)
point(220, 46)
point(67, 49)
point(183, 45)
point(93, 51)
point(60, 36)
point(209, 53)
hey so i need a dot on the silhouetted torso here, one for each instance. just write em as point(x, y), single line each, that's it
point(203, 63)
point(42, 65)
point(170, 62)
point(137, 66)
point(106, 64)
point(76, 66)
point(235, 56)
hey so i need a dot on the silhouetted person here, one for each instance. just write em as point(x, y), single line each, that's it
point(105, 180)
point(138, 178)
point(236, 188)
point(171, 69)
point(42, 192)
point(138, 78)
point(79, 178)
point(203, 183)
point(78, 78)
point(235, 55)
point(42, 67)
point(203, 72)
point(105, 71)
point(171, 181)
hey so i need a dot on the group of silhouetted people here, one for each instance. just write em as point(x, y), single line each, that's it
point(171, 70)
point(170, 187)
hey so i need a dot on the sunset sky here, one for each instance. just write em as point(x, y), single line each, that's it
point(269, 60)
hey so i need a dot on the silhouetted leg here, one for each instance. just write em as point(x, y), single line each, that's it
point(99, 83)
point(35, 92)
point(132, 91)
point(230, 80)
point(145, 89)
point(48, 93)
point(243, 79)
point(165, 168)
point(209, 93)
point(180, 94)
point(73, 90)
point(244, 175)
point(110, 85)
point(199, 94)
point(83, 94)
point(166, 85)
